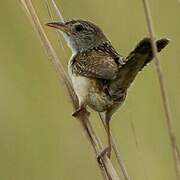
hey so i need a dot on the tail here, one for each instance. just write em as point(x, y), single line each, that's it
point(134, 63)
point(144, 48)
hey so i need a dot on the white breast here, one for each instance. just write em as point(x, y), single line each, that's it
point(80, 84)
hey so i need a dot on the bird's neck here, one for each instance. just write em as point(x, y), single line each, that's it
point(98, 46)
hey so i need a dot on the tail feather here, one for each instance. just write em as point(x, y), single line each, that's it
point(135, 62)
point(144, 47)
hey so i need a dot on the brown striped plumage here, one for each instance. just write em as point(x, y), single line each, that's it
point(100, 62)
point(100, 76)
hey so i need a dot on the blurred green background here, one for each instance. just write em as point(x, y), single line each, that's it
point(39, 140)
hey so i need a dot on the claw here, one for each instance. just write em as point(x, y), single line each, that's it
point(79, 111)
point(105, 151)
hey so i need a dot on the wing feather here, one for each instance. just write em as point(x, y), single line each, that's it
point(95, 65)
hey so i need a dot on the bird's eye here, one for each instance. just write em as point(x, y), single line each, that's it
point(78, 27)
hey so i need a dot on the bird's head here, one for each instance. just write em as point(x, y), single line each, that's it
point(81, 35)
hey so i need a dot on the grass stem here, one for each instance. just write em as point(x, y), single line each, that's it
point(164, 96)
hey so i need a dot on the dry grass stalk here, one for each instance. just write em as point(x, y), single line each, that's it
point(165, 102)
point(117, 154)
point(178, 153)
point(57, 32)
point(106, 166)
point(57, 10)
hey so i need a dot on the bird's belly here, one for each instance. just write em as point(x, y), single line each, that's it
point(81, 86)
point(99, 101)
point(89, 92)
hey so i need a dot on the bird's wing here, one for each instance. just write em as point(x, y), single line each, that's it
point(95, 65)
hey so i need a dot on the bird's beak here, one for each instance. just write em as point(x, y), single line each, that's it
point(59, 25)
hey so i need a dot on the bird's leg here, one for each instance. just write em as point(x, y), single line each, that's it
point(106, 118)
point(109, 137)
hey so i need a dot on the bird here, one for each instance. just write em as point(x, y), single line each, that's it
point(100, 75)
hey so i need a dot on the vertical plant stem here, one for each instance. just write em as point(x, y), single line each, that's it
point(57, 32)
point(117, 153)
point(164, 96)
point(57, 10)
point(106, 167)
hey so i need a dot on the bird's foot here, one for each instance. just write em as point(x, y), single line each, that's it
point(105, 151)
point(79, 111)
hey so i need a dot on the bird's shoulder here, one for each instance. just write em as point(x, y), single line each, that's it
point(101, 62)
